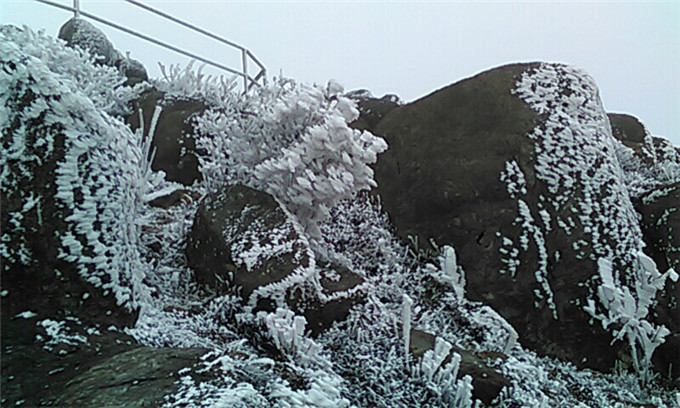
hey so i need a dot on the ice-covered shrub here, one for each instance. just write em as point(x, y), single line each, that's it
point(293, 142)
point(190, 83)
point(626, 311)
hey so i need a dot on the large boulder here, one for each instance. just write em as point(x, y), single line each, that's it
point(516, 168)
point(174, 142)
point(80, 33)
point(67, 195)
point(660, 212)
point(243, 242)
point(242, 239)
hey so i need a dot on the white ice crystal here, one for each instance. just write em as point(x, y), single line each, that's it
point(575, 154)
point(58, 333)
point(406, 305)
point(514, 178)
point(449, 272)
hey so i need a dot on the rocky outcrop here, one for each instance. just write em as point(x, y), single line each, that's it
point(517, 170)
point(101, 308)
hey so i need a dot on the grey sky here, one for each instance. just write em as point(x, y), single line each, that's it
point(413, 48)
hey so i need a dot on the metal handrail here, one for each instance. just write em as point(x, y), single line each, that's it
point(248, 81)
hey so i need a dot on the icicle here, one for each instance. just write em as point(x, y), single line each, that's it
point(406, 304)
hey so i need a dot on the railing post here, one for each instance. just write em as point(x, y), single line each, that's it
point(244, 62)
point(76, 6)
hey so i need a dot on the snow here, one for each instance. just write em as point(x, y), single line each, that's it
point(26, 315)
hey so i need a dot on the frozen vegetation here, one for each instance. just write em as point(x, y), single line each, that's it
point(292, 141)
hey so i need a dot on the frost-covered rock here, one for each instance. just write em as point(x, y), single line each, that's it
point(517, 169)
point(71, 182)
point(242, 242)
point(70, 179)
point(80, 33)
point(660, 213)
point(650, 164)
point(174, 140)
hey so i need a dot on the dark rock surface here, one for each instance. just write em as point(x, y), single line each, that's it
point(627, 128)
point(371, 109)
point(230, 223)
point(660, 211)
point(140, 377)
point(441, 180)
point(173, 141)
point(661, 230)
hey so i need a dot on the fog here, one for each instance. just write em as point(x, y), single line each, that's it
point(413, 48)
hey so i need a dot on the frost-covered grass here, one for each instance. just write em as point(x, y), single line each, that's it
point(291, 140)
